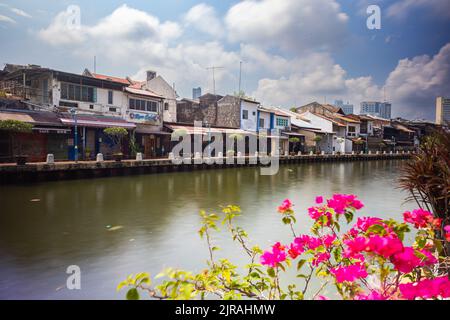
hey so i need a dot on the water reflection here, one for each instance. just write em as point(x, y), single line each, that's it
point(69, 225)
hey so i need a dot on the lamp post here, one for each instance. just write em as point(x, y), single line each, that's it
point(209, 138)
point(73, 112)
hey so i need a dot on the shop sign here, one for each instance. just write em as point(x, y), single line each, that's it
point(151, 118)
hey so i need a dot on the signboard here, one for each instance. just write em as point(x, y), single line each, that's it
point(148, 118)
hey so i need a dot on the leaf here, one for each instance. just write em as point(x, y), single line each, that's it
point(271, 272)
point(133, 294)
point(300, 264)
point(121, 285)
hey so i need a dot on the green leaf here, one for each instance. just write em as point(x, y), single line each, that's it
point(300, 264)
point(271, 272)
point(133, 294)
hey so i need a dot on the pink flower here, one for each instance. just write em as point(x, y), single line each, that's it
point(429, 259)
point(315, 212)
point(322, 298)
point(349, 273)
point(275, 256)
point(320, 257)
point(285, 206)
point(419, 218)
point(406, 260)
point(426, 289)
point(341, 202)
point(373, 295)
point(319, 200)
point(365, 223)
point(384, 246)
point(328, 240)
point(447, 233)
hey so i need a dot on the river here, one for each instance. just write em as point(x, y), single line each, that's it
point(112, 227)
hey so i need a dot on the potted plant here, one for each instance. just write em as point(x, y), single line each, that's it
point(116, 134)
point(16, 127)
point(317, 140)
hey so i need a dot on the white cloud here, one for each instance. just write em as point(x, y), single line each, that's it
point(6, 19)
point(20, 12)
point(139, 41)
point(204, 18)
point(415, 83)
point(402, 8)
point(289, 24)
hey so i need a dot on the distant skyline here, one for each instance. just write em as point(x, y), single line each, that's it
point(293, 51)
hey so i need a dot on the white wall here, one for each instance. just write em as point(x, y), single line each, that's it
point(159, 86)
point(266, 117)
point(250, 123)
point(319, 122)
point(101, 106)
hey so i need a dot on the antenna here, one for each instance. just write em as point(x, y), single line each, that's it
point(214, 68)
point(240, 76)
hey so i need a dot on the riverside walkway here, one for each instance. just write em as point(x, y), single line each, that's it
point(11, 173)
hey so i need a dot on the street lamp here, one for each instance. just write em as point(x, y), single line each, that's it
point(73, 112)
point(209, 138)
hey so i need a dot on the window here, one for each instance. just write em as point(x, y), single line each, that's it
point(281, 122)
point(166, 106)
point(254, 113)
point(77, 92)
point(143, 105)
point(245, 114)
point(113, 109)
point(110, 97)
point(261, 123)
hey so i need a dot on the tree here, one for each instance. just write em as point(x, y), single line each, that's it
point(116, 134)
point(427, 178)
point(16, 127)
point(317, 139)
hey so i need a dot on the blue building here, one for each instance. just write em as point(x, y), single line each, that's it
point(347, 108)
point(378, 109)
point(196, 93)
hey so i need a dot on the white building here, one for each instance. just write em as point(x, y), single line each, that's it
point(335, 138)
point(158, 85)
point(249, 114)
point(442, 110)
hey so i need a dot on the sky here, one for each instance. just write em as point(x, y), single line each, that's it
point(293, 51)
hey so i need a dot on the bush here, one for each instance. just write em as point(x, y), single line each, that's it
point(368, 262)
point(116, 134)
point(16, 126)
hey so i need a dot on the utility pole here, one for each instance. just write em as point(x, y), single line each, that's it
point(240, 76)
point(214, 68)
point(95, 64)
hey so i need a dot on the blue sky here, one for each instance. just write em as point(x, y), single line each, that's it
point(294, 51)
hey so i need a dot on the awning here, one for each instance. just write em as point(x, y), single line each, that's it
point(293, 134)
point(145, 129)
point(16, 116)
point(204, 131)
point(98, 123)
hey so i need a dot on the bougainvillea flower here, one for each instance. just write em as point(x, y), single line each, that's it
point(365, 223)
point(319, 200)
point(426, 289)
point(320, 257)
point(406, 260)
point(421, 219)
point(328, 240)
point(275, 256)
point(285, 206)
point(349, 273)
point(373, 295)
point(341, 202)
point(447, 233)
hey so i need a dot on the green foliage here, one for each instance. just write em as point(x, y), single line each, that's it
point(294, 140)
point(16, 126)
point(317, 138)
point(116, 134)
point(134, 146)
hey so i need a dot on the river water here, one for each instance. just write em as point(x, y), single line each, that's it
point(112, 227)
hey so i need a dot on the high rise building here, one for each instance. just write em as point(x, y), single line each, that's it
point(378, 109)
point(196, 93)
point(347, 108)
point(442, 110)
